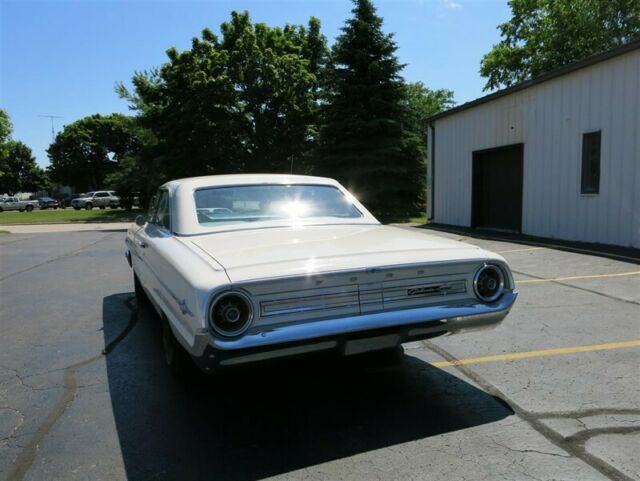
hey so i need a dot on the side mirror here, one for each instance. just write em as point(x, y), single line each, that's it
point(140, 220)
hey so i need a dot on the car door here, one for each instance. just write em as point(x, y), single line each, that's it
point(155, 239)
point(101, 199)
point(141, 241)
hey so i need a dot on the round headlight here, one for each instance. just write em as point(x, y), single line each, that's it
point(231, 313)
point(488, 283)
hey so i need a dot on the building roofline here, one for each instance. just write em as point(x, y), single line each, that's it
point(558, 72)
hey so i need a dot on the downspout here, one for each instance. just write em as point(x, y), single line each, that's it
point(433, 169)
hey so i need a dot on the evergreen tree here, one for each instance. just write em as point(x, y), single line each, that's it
point(367, 140)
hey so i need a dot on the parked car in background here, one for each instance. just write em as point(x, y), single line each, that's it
point(99, 198)
point(244, 268)
point(48, 203)
point(13, 203)
point(64, 200)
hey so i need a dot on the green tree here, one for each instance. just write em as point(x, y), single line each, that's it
point(86, 151)
point(544, 34)
point(367, 140)
point(139, 173)
point(5, 127)
point(423, 102)
point(245, 102)
point(19, 171)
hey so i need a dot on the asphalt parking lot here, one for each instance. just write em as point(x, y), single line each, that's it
point(551, 394)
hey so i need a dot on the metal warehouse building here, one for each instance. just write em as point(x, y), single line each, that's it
point(557, 156)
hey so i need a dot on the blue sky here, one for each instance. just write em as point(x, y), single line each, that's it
point(64, 57)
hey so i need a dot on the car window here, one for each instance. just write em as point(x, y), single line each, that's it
point(162, 215)
point(251, 203)
point(102, 194)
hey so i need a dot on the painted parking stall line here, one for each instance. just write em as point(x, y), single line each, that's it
point(576, 278)
point(540, 353)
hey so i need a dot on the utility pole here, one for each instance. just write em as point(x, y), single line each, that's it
point(53, 132)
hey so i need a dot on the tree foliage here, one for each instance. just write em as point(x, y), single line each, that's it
point(19, 171)
point(367, 138)
point(423, 102)
point(256, 98)
point(244, 102)
point(86, 151)
point(544, 34)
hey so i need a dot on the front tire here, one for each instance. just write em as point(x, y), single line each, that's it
point(88, 206)
point(29, 208)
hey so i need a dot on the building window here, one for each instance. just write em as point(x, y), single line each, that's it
point(591, 163)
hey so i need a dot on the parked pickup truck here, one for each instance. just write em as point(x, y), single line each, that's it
point(99, 198)
point(12, 203)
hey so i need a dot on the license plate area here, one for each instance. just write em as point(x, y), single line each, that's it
point(377, 343)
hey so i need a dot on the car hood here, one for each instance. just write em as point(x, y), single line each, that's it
point(263, 253)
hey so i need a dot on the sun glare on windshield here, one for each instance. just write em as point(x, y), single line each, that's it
point(254, 203)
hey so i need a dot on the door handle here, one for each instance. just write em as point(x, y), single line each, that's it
point(142, 244)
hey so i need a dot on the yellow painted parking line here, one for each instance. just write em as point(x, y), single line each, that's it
point(543, 353)
point(528, 249)
point(574, 278)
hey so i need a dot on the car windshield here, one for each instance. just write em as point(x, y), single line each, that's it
point(251, 203)
point(88, 194)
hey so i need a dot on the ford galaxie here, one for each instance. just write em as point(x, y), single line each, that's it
point(243, 268)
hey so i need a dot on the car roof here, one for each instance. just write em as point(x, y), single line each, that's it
point(246, 179)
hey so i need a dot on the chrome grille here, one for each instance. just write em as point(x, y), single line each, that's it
point(359, 299)
point(326, 302)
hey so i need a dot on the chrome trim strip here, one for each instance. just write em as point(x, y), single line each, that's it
point(285, 351)
point(452, 314)
point(367, 270)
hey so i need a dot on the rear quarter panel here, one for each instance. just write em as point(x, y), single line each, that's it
point(178, 279)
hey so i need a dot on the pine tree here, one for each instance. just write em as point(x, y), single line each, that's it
point(366, 140)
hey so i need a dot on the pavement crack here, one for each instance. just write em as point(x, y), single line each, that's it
point(535, 451)
point(585, 413)
point(28, 453)
point(70, 387)
point(575, 449)
point(20, 422)
point(581, 437)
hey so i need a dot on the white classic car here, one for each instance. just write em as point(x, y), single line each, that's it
point(243, 268)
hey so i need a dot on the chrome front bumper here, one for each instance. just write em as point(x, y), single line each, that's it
point(351, 335)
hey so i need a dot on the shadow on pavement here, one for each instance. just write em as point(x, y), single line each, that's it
point(258, 422)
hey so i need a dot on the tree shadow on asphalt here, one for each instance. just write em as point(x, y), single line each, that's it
point(270, 419)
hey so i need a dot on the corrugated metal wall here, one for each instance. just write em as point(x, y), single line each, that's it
point(550, 119)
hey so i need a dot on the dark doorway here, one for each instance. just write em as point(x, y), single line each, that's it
point(497, 188)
